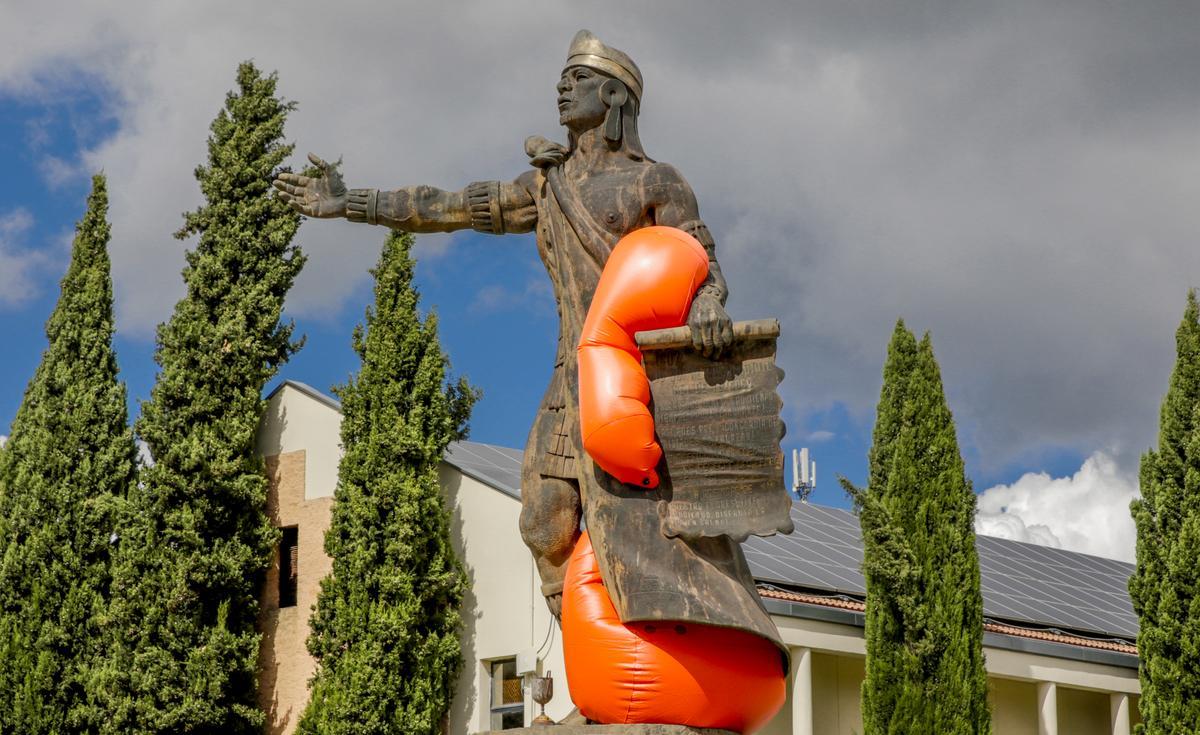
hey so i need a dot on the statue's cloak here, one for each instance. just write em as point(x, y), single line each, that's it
point(649, 575)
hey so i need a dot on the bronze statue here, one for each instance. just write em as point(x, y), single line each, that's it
point(580, 199)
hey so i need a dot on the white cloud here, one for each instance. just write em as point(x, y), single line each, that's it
point(1018, 182)
point(1012, 526)
point(56, 171)
point(534, 295)
point(3, 440)
point(820, 435)
point(1087, 512)
point(17, 266)
point(144, 458)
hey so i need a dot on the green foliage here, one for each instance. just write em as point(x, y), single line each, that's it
point(924, 618)
point(386, 628)
point(63, 477)
point(1165, 587)
point(189, 568)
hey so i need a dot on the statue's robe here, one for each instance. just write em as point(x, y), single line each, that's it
point(648, 575)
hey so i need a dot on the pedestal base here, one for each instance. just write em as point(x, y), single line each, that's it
point(609, 730)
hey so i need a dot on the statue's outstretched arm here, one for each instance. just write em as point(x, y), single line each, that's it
point(493, 207)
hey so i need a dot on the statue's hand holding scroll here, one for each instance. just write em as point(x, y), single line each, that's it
point(321, 196)
point(712, 329)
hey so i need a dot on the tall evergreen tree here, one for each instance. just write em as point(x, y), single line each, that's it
point(1165, 587)
point(189, 569)
point(63, 477)
point(924, 620)
point(386, 628)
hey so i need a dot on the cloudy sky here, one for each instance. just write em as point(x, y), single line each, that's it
point(1018, 178)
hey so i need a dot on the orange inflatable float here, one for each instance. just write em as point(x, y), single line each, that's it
point(664, 672)
point(648, 283)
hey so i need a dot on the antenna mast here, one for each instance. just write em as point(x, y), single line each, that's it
point(804, 474)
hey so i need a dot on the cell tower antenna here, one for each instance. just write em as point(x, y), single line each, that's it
point(804, 474)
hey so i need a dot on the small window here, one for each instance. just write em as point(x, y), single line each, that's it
point(289, 548)
point(508, 699)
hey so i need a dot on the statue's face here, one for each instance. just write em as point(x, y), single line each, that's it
point(579, 105)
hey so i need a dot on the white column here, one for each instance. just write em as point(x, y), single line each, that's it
point(802, 711)
point(1047, 693)
point(1118, 706)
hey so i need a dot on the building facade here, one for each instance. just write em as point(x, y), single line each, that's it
point(1058, 635)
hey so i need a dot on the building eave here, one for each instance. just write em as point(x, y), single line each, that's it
point(996, 634)
point(309, 391)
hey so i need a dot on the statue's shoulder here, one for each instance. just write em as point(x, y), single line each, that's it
point(661, 176)
point(661, 169)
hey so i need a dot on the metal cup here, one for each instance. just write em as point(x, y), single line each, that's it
point(542, 688)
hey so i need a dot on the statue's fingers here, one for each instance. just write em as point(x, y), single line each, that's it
point(315, 160)
point(697, 338)
point(726, 333)
point(709, 339)
point(293, 179)
point(720, 345)
point(292, 201)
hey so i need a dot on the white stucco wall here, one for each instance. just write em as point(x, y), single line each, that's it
point(503, 612)
point(296, 421)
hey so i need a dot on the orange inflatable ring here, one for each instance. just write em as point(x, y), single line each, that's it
point(648, 283)
point(662, 672)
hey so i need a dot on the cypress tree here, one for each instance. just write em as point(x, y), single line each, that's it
point(924, 618)
point(190, 567)
point(385, 631)
point(1165, 586)
point(889, 568)
point(63, 477)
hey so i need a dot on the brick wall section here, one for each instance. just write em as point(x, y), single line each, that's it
point(284, 665)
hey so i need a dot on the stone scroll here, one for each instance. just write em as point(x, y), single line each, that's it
point(718, 423)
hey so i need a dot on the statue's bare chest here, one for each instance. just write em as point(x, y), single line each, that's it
point(616, 200)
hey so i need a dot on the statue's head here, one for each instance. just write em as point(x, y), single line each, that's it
point(600, 86)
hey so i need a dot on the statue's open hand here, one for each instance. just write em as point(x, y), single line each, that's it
point(320, 196)
point(712, 329)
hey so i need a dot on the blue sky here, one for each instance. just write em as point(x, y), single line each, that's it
point(1019, 180)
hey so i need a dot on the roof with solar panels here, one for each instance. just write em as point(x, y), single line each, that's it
point(1053, 601)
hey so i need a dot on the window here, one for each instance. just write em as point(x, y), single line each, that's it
point(508, 699)
point(289, 547)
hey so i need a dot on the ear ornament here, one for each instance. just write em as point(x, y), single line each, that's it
point(614, 94)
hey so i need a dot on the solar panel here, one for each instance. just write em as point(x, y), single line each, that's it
point(824, 552)
point(1022, 583)
point(499, 467)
